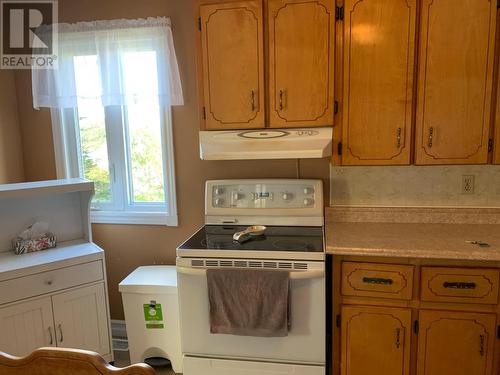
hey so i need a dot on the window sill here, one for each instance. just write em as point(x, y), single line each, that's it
point(127, 217)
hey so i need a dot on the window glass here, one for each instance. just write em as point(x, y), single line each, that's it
point(143, 128)
point(94, 159)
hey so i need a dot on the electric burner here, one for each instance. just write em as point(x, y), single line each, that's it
point(295, 245)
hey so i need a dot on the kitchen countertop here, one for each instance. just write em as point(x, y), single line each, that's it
point(446, 238)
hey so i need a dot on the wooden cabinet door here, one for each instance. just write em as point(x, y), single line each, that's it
point(301, 57)
point(496, 138)
point(26, 326)
point(457, 43)
point(375, 341)
point(455, 343)
point(379, 59)
point(233, 65)
point(80, 318)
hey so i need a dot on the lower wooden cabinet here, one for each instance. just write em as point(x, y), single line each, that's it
point(446, 324)
point(455, 343)
point(375, 341)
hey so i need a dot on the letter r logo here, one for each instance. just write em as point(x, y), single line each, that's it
point(20, 22)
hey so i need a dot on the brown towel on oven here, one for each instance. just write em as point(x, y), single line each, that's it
point(248, 302)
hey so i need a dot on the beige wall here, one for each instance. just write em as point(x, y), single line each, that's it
point(11, 149)
point(128, 246)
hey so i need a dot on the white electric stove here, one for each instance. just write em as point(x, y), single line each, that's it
point(292, 212)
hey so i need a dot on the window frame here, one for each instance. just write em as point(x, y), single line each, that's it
point(67, 156)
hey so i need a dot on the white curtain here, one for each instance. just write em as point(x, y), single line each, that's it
point(108, 40)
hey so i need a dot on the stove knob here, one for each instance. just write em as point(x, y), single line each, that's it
point(236, 196)
point(219, 202)
point(287, 196)
point(308, 202)
point(308, 190)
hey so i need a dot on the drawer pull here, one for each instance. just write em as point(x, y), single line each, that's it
point(431, 136)
point(377, 280)
point(48, 282)
point(281, 106)
point(61, 337)
point(398, 138)
point(398, 338)
point(481, 345)
point(458, 285)
point(50, 335)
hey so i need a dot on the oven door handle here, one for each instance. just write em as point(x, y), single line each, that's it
point(294, 275)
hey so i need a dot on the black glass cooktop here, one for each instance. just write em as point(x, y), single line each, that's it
point(275, 238)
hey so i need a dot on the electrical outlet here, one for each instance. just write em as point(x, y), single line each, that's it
point(468, 184)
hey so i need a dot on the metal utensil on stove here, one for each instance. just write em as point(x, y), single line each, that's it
point(244, 235)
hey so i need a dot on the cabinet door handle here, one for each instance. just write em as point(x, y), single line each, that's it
point(431, 136)
point(458, 285)
point(398, 338)
point(50, 335)
point(61, 337)
point(281, 100)
point(377, 280)
point(253, 100)
point(398, 138)
point(481, 345)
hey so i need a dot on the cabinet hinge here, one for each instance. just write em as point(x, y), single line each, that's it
point(204, 113)
point(416, 327)
point(336, 104)
point(199, 23)
point(339, 13)
point(498, 332)
point(490, 141)
point(338, 320)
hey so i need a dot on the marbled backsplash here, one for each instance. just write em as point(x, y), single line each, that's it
point(410, 186)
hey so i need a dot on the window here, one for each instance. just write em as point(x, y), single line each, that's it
point(116, 130)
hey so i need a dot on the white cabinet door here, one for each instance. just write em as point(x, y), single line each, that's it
point(26, 326)
point(80, 317)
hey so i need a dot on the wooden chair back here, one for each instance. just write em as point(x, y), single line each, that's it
point(59, 361)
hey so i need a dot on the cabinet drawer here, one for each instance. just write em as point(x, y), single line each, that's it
point(50, 281)
point(460, 285)
point(377, 280)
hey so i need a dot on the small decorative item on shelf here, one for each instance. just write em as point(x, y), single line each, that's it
point(35, 238)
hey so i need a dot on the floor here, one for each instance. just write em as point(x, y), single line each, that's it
point(122, 360)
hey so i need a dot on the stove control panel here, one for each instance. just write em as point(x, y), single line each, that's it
point(264, 194)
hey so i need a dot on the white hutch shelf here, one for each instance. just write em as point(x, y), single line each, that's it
point(55, 297)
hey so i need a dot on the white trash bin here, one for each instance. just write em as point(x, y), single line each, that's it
point(151, 309)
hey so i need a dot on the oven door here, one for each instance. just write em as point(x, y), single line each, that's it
point(305, 343)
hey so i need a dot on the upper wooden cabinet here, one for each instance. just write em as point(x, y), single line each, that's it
point(299, 90)
point(457, 45)
point(379, 44)
point(301, 57)
point(455, 343)
point(233, 65)
point(496, 138)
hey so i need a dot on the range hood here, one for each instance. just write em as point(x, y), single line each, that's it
point(304, 143)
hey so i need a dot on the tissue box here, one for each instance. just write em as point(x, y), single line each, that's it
point(22, 246)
